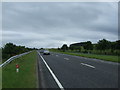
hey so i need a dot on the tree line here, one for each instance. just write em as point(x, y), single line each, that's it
point(11, 49)
point(101, 47)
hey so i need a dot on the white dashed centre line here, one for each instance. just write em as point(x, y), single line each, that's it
point(66, 58)
point(56, 55)
point(88, 65)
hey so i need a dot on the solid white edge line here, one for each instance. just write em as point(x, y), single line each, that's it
point(57, 81)
point(88, 65)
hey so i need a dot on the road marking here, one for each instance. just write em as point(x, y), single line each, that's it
point(56, 55)
point(66, 58)
point(88, 65)
point(55, 78)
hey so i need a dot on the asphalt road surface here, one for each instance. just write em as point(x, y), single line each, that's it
point(67, 71)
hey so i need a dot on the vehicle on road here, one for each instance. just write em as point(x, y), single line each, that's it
point(41, 51)
point(46, 52)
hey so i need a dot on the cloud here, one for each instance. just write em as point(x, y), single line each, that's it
point(39, 24)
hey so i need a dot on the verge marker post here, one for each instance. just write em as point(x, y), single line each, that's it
point(17, 68)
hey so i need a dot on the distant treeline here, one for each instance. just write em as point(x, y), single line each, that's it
point(11, 49)
point(101, 47)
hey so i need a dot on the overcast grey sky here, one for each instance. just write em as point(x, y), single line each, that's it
point(54, 24)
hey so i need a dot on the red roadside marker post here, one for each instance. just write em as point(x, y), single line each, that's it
point(17, 68)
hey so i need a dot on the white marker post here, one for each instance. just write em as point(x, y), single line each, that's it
point(17, 68)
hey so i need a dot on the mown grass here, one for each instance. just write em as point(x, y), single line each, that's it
point(0, 69)
point(26, 77)
point(96, 56)
point(0, 77)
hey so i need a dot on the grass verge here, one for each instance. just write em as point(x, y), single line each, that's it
point(0, 70)
point(101, 57)
point(26, 77)
point(0, 78)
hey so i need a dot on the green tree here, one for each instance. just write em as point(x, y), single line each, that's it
point(58, 48)
point(103, 45)
point(117, 45)
point(71, 47)
point(11, 49)
point(64, 47)
point(88, 45)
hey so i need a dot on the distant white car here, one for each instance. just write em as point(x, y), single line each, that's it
point(46, 52)
point(41, 51)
